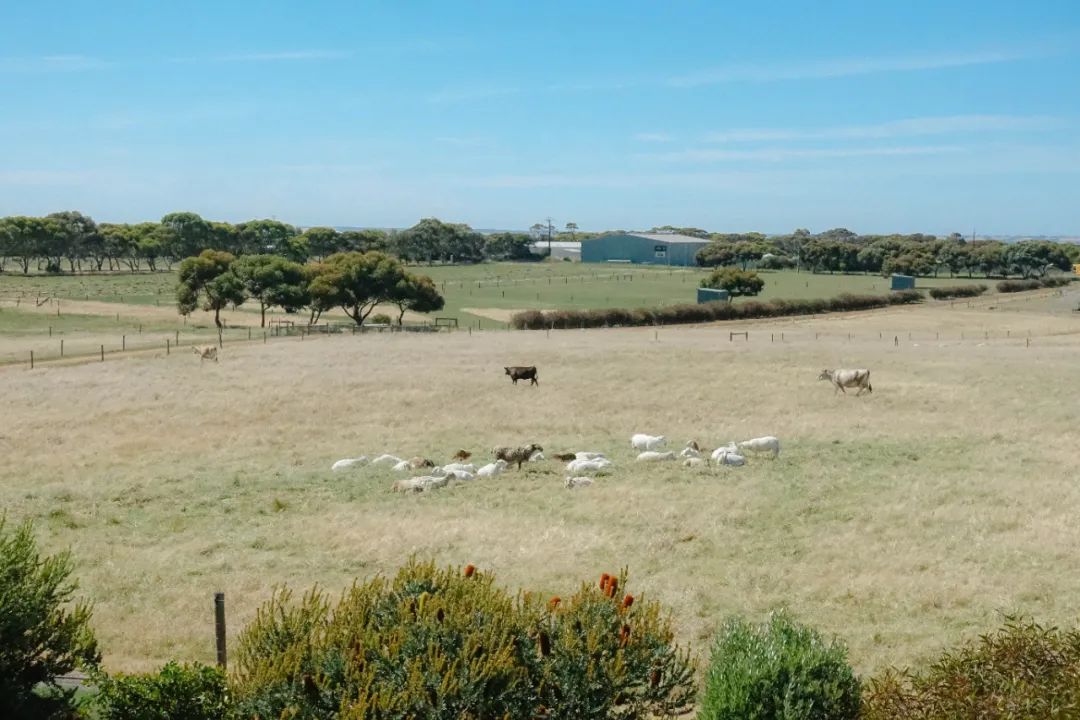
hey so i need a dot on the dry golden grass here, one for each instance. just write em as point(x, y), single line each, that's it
point(900, 521)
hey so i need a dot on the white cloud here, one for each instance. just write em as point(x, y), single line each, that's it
point(840, 67)
point(653, 137)
point(775, 154)
point(897, 128)
point(51, 63)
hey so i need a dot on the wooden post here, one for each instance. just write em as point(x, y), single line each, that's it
point(140, 328)
point(896, 341)
point(249, 333)
point(264, 335)
point(50, 331)
point(31, 359)
point(219, 628)
point(1027, 342)
point(167, 348)
point(61, 347)
point(102, 353)
point(123, 342)
point(177, 341)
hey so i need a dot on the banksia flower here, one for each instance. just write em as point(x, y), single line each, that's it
point(554, 602)
point(624, 635)
point(469, 570)
point(627, 601)
point(604, 579)
point(613, 587)
point(654, 678)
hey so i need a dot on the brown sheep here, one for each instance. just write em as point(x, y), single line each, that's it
point(565, 457)
point(462, 455)
point(517, 455)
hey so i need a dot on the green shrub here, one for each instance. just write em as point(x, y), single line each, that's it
point(735, 281)
point(177, 692)
point(442, 643)
point(42, 635)
point(1011, 286)
point(1023, 670)
point(705, 312)
point(380, 319)
point(778, 671)
point(955, 291)
point(776, 262)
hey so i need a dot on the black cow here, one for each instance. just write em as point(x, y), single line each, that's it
point(522, 373)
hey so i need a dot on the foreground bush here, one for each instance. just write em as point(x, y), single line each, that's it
point(735, 281)
point(779, 670)
point(1023, 670)
point(446, 643)
point(42, 635)
point(177, 692)
point(956, 291)
point(706, 312)
point(1011, 286)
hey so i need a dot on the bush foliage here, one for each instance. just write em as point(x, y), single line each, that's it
point(42, 635)
point(1011, 286)
point(957, 291)
point(705, 312)
point(735, 281)
point(780, 670)
point(447, 643)
point(177, 692)
point(1023, 670)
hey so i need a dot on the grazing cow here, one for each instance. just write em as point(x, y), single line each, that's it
point(205, 352)
point(522, 373)
point(848, 379)
point(516, 455)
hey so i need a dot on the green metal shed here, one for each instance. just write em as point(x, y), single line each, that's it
point(643, 248)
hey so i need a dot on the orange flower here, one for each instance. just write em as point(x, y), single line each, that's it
point(613, 587)
point(469, 570)
point(624, 635)
point(554, 602)
point(627, 601)
point(604, 578)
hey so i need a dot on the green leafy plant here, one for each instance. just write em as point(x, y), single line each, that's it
point(780, 670)
point(955, 291)
point(380, 319)
point(1011, 286)
point(1022, 670)
point(735, 281)
point(176, 692)
point(449, 643)
point(42, 634)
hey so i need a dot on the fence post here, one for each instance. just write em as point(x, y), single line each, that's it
point(50, 331)
point(102, 353)
point(61, 347)
point(219, 628)
point(31, 359)
point(249, 333)
point(264, 337)
point(1027, 342)
point(177, 338)
point(896, 341)
point(167, 348)
point(123, 342)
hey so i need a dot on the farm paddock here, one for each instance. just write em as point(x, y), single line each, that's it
point(901, 521)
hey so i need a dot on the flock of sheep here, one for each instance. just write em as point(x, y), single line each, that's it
point(580, 465)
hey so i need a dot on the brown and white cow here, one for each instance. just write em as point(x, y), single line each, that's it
point(858, 378)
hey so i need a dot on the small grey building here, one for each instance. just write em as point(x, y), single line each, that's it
point(643, 249)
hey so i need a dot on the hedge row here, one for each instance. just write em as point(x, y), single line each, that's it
point(1011, 286)
point(705, 312)
point(956, 291)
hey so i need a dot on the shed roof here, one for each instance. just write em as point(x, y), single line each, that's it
point(673, 238)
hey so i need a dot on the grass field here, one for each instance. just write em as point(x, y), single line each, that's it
point(902, 521)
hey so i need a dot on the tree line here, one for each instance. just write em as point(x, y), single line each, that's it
point(74, 240)
point(841, 250)
point(354, 281)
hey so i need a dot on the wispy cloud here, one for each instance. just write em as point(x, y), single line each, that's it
point(908, 127)
point(840, 67)
point(469, 93)
point(273, 56)
point(51, 63)
point(653, 137)
point(780, 154)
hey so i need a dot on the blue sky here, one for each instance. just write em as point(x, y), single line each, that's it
point(906, 116)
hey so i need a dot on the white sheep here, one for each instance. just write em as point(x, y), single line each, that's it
point(641, 441)
point(420, 484)
point(575, 467)
point(470, 468)
point(718, 454)
point(694, 462)
point(403, 466)
point(762, 444)
point(537, 457)
point(589, 456)
point(653, 456)
point(492, 469)
point(689, 452)
point(730, 458)
point(573, 482)
point(386, 460)
point(348, 463)
point(459, 474)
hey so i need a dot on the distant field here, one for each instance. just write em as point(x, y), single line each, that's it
point(903, 521)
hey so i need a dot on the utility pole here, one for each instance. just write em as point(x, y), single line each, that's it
point(549, 228)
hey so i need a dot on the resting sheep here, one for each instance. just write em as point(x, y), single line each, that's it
point(641, 441)
point(403, 466)
point(537, 457)
point(418, 462)
point(694, 462)
point(573, 482)
point(581, 466)
point(420, 484)
point(492, 469)
point(589, 456)
point(719, 452)
point(348, 463)
point(768, 444)
point(458, 474)
point(470, 468)
point(516, 455)
point(653, 456)
point(387, 460)
point(730, 458)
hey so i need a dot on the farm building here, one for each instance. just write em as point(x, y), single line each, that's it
point(643, 248)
